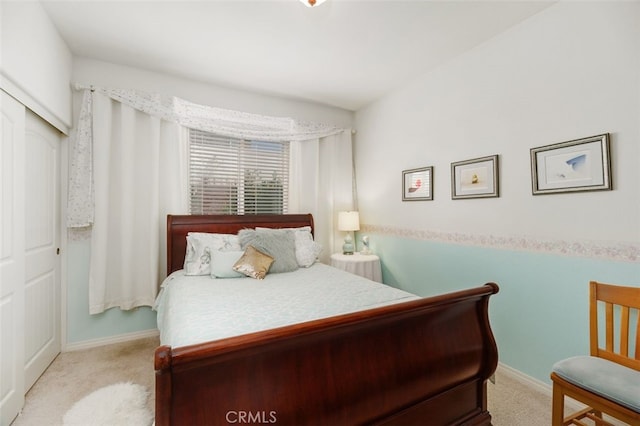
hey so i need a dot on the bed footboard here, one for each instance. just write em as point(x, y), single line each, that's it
point(420, 362)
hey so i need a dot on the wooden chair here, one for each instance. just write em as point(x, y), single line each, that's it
point(608, 381)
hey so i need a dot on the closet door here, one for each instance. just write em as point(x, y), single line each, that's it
point(42, 242)
point(29, 255)
point(12, 257)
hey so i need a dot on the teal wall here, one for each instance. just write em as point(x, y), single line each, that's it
point(540, 314)
point(80, 325)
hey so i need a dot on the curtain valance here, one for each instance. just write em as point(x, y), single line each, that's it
point(223, 122)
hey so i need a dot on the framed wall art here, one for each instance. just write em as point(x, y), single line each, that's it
point(417, 184)
point(572, 166)
point(476, 178)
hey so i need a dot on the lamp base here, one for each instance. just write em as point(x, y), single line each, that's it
point(347, 247)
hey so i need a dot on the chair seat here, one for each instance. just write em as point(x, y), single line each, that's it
point(602, 377)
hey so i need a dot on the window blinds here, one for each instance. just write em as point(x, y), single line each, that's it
point(234, 176)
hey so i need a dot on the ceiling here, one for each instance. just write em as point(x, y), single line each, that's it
point(343, 53)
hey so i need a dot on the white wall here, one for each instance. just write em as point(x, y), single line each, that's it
point(571, 71)
point(89, 71)
point(35, 63)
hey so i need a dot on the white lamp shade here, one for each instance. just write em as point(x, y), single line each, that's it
point(348, 221)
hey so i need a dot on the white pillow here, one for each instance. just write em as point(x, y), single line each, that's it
point(307, 250)
point(200, 245)
point(222, 264)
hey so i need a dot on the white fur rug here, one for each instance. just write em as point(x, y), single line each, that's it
point(120, 404)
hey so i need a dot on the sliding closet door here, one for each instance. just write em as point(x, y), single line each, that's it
point(12, 259)
point(42, 242)
point(29, 255)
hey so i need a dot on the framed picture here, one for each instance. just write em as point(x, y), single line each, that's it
point(417, 184)
point(477, 178)
point(572, 166)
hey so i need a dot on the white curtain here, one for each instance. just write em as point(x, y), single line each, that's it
point(321, 183)
point(139, 176)
point(129, 170)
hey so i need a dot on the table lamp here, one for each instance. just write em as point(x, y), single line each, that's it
point(348, 221)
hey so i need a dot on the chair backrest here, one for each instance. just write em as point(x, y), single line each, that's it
point(622, 309)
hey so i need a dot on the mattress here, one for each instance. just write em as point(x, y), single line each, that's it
point(197, 309)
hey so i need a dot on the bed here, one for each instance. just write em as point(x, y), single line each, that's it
point(408, 360)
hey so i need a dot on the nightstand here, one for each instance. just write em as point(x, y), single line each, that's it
point(365, 265)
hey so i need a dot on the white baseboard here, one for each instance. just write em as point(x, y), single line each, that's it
point(530, 382)
point(536, 385)
point(94, 343)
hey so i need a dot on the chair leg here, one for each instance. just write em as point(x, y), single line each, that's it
point(557, 410)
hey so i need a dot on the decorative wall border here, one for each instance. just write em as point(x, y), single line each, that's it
point(622, 252)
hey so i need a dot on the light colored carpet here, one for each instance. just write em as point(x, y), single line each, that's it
point(74, 375)
point(513, 403)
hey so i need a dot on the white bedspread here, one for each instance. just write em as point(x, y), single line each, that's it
point(196, 309)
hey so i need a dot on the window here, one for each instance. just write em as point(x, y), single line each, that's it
point(234, 176)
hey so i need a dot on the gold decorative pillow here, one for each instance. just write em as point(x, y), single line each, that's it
point(253, 263)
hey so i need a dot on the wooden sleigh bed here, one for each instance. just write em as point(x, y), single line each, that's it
point(422, 362)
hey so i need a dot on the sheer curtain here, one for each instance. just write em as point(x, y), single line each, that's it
point(321, 183)
point(128, 170)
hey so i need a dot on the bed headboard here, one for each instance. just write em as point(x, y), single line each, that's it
point(178, 226)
